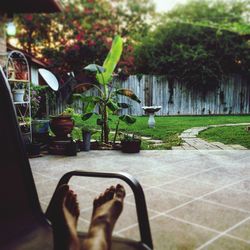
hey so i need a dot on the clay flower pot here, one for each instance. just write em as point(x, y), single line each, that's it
point(61, 126)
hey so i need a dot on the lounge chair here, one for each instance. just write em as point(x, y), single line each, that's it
point(23, 225)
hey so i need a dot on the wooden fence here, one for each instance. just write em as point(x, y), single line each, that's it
point(231, 97)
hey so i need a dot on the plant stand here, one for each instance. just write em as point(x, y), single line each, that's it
point(18, 74)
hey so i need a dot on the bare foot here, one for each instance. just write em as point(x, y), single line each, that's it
point(107, 208)
point(63, 216)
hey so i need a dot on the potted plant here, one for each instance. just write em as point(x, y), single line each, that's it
point(106, 101)
point(18, 92)
point(131, 144)
point(63, 124)
point(40, 124)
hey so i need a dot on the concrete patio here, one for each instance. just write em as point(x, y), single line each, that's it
point(196, 199)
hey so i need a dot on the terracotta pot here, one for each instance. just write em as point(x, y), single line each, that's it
point(61, 126)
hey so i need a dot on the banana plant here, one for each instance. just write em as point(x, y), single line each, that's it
point(107, 100)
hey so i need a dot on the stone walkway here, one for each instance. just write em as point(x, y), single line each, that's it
point(191, 142)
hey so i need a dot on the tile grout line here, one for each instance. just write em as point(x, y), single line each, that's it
point(223, 233)
point(185, 177)
point(136, 224)
point(204, 227)
point(202, 196)
point(226, 206)
point(208, 201)
point(188, 196)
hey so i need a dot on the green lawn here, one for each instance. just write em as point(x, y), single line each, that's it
point(168, 127)
point(228, 135)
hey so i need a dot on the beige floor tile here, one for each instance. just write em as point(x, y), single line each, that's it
point(126, 219)
point(38, 178)
point(85, 198)
point(169, 234)
point(209, 215)
point(189, 187)
point(99, 185)
point(226, 243)
point(87, 182)
point(216, 178)
point(243, 185)
point(241, 171)
point(155, 177)
point(46, 188)
point(180, 171)
point(242, 231)
point(82, 225)
point(232, 198)
point(161, 201)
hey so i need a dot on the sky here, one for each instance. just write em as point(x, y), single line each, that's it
point(165, 5)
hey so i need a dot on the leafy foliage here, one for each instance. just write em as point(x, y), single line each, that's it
point(106, 100)
point(186, 49)
point(83, 32)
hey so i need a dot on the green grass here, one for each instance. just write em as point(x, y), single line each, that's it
point(167, 127)
point(228, 135)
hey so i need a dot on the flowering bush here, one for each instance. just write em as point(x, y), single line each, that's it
point(36, 94)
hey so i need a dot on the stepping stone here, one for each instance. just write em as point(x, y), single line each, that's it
point(238, 147)
point(155, 141)
point(222, 146)
point(177, 148)
point(145, 138)
point(191, 141)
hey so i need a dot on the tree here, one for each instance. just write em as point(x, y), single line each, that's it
point(83, 32)
point(134, 18)
point(70, 39)
point(195, 54)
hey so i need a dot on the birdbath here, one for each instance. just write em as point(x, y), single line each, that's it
point(151, 110)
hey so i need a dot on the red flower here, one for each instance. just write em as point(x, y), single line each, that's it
point(28, 17)
point(80, 37)
point(87, 11)
point(91, 43)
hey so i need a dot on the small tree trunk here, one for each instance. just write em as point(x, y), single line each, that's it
point(105, 125)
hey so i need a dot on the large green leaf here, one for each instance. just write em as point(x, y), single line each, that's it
point(111, 61)
point(123, 105)
point(95, 68)
point(112, 105)
point(86, 116)
point(129, 93)
point(127, 119)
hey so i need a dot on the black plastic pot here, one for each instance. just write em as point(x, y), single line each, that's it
point(132, 146)
point(33, 149)
point(71, 149)
point(86, 136)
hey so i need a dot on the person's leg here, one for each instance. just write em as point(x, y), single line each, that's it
point(107, 208)
point(63, 216)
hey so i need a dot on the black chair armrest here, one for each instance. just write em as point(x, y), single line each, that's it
point(141, 208)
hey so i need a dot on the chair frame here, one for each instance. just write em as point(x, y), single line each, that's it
point(24, 239)
point(140, 202)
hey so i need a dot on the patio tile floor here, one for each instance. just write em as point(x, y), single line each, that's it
point(196, 199)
